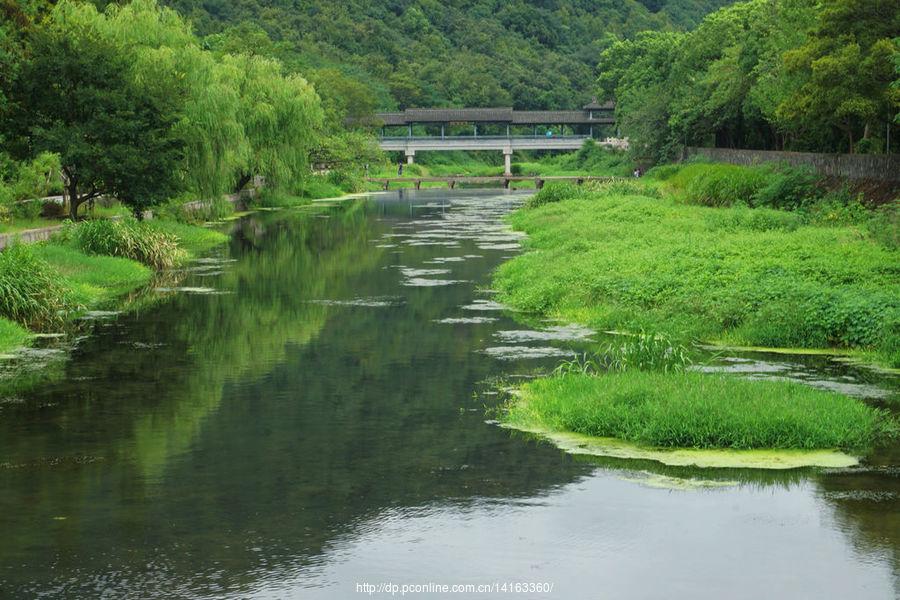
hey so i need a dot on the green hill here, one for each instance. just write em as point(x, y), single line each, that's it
point(396, 53)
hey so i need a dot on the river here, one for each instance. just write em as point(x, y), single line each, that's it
point(305, 413)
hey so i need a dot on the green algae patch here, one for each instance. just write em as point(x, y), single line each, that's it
point(575, 443)
point(668, 482)
point(683, 419)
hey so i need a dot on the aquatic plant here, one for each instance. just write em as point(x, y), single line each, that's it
point(644, 352)
point(696, 410)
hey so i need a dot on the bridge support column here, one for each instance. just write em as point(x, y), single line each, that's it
point(410, 157)
point(507, 161)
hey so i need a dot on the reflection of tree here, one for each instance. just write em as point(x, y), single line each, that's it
point(301, 418)
point(866, 505)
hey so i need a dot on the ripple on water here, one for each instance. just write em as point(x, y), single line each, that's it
point(782, 371)
point(193, 290)
point(484, 305)
point(566, 333)
point(368, 302)
point(407, 272)
point(423, 282)
point(526, 352)
point(466, 320)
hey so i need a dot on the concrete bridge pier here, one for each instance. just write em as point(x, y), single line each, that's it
point(410, 156)
point(507, 161)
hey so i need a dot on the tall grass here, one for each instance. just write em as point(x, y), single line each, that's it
point(126, 238)
point(693, 410)
point(31, 292)
point(771, 185)
point(644, 352)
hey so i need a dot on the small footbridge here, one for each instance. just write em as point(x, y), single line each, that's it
point(495, 129)
point(501, 180)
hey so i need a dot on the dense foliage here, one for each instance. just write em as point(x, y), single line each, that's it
point(138, 109)
point(769, 74)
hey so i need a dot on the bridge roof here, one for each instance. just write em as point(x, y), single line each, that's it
point(496, 115)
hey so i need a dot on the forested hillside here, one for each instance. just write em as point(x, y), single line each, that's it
point(398, 53)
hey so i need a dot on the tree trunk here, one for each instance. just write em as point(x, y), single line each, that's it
point(74, 201)
point(244, 180)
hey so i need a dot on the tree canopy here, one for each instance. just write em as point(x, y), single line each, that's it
point(770, 74)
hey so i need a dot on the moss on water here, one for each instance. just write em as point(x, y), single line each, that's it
point(575, 443)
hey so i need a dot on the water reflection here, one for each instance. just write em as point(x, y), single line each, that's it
point(316, 422)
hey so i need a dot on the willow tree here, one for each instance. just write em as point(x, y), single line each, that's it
point(169, 60)
point(281, 117)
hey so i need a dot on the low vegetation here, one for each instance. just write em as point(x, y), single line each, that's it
point(755, 277)
point(694, 410)
point(93, 280)
point(12, 335)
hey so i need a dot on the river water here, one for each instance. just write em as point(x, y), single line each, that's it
point(303, 414)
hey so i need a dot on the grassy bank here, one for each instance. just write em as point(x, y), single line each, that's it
point(694, 410)
point(87, 266)
point(748, 277)
point(12, 335)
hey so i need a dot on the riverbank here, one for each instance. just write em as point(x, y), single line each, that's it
point(739, 276)
point(648, 257)
point(84, 275)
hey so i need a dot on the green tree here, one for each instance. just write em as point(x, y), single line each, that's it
point(77, 99)
point(847, 70)
point(280, 117)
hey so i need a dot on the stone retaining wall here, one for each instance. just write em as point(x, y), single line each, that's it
point(879, 167)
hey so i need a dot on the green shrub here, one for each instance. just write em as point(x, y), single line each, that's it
point(719, 184)
point(787, 188)
point(837, 208)
point(663, 172)
point(697, 410)
point(345, 179)
point(125, 238)
point(27, 210)
point(884, 225)
point(30, 290)
point(623, 187)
